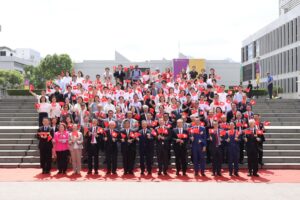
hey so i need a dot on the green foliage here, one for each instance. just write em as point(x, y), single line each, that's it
point(48, 69)
point(11, 79)
point(13, 92)
point(53, 65)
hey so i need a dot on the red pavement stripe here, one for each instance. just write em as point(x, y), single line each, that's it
point(266, 176)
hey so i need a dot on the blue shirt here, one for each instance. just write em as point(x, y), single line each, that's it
point(270, 79)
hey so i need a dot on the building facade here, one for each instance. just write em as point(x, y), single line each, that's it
point(275, 49)
point(18, 59)
point(227, 69)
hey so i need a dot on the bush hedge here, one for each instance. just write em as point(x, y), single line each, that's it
point(19, 92)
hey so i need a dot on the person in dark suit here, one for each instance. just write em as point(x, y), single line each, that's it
point(216, 149)
point(57, 94)
point(180, 142)
point(233, 139)
point(208, 125)
point(251, 140)
point(70, 95)
point(93, 143)
point(240, 127)
point(146, 148)
point(110, 139)
point(45, 135)
point(198, 140)
point(260, 126)
point(120, 74)
point(231, 115)
point(163, 145)
point(128, 147)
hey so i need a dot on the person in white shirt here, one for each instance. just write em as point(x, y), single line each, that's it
point(55, 110)
point(80, 77)
point(43, 108)
point(222, 94)
point(67, 79)
point(238, 96)
point(38, 97)
point(109, 106)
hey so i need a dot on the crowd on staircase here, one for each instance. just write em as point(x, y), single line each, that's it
point(146, 115)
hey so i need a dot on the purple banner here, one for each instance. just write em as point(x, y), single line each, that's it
point(179, 64)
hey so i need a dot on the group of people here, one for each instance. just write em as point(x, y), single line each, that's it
point(152, 116)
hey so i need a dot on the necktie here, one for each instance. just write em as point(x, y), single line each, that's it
point(93, 135)
point(217, 138)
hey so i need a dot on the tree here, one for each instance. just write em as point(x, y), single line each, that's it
point(48, 69)
point(53, 65)
point(11, 79)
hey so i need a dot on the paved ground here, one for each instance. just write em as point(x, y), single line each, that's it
point(145, 191)
point(34, 174)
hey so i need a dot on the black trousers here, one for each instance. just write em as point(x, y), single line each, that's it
point(242, 147)
point(208, 154)
point(62, 160)
point(46, 158)
point(146, 156)
point(111, 156)
point(217, 160)
point(260, 154)
point(42, 115)
point(93, 155)
point(270, 90)
point(128, 154)
point(162, 158)
point(252, 161)
point(180, 158)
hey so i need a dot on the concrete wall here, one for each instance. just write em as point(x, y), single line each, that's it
point(229, 71)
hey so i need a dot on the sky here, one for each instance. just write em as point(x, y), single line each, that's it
point(138, 29)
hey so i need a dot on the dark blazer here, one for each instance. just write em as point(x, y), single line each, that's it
point(120, 75)
point(89, 138)
point(45, 142)
point(58, 95)
point(70, 98)
point(175, 137)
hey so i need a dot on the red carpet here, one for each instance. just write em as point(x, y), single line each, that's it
point(266, 176)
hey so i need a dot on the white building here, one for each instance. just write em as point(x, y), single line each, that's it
point(93, 67)
point(29, 54)
point(227, 69)
point(18, 59)
point(276, 49)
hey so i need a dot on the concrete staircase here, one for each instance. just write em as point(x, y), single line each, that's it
point(18, 124)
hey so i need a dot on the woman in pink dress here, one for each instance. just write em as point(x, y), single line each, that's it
point(61, 147)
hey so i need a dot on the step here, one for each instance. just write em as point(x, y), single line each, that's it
point(18, 129)
point(279, 135)
point(279, 114)
point(282, 166)
point(281, 152)
point(18, 135)
point(266, 110)
point(281, 119)
point(281, 159)
point(282, 141)
point(17, 106)
point(8, 115)
point(282, 146)
point(285, 123)
point(19, 153)
point(18, 146)
point(17, 110)
point(18, 141)
point(18, 123)
point(19, 119)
